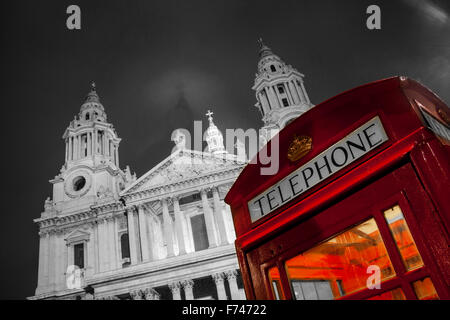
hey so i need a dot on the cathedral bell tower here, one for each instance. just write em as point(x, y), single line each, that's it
point(91, 170)
point(280, 92)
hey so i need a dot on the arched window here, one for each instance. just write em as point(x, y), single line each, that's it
point(87, 116)
point(272, 68)
point(125, 245)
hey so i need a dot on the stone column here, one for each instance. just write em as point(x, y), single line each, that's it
point(234, 290)
point(90, 263)
point(96, 248)
point(294, 92)
point(143, 233)
point(117, 257)
point(179, 221)
point(168, 230)
point(175, 288)
point(151, 294)
point(218, 214)
point(132, 236)
point(51, 260)
point(188, 286)
point(43, 261)
point(218, 279)
point(112, 246)
point(209, 219)
point(103, 244)
point(69, 155)
point(89, 146)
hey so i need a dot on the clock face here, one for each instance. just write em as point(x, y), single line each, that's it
point(77, 184)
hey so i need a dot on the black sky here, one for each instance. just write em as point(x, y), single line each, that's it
point(159, 65)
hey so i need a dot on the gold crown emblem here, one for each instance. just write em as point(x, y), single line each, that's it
point(299, 147)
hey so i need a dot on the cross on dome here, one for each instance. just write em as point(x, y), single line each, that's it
point(209, 115)
point(93, 88)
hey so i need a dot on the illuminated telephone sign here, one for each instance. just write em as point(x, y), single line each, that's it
point(359, 206)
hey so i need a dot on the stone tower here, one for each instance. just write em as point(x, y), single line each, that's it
point(280, 93)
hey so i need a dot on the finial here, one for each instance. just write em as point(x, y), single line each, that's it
point(209, 115)
point(260, 41)
point(93, 86)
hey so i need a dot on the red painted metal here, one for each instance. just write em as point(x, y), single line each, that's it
point(412, 167)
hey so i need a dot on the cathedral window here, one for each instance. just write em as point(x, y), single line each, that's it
point(272, 68)
point(285, 102)
point(78, 251)
point(280, 89)
point(87, 116)
point(199, 232)
point(125, 246)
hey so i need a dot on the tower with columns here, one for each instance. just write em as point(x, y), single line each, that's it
point(280, 93)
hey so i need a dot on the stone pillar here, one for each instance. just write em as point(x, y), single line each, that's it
point(90, 263)
point(112, 246)
point(209, 220)
point(294, 92)
point(117, 155)
point(179, 221)
point(175, 288)
point(151, 294)
point(188, 286)
point(218, 214)
point(89, 146)
point(234, 290)
point(96, 248)
point(143, 233)
point(168, 230)
point(274, 98)
point(132, 236)
point(103, 244)
point(219, 280)
point(51, 260)
point(43, 261)
point(69, 155)
point(117, 257)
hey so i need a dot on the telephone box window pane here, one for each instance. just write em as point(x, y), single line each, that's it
point(340, 265)
point(425, 290)
point(274, 278)
point(78, 250)
point(396, 294)
point(403, 238)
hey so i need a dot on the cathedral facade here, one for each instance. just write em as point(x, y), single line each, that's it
point(106, 234)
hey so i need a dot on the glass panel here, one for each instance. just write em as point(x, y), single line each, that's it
point(403, 238)
point(425, 290)
point(396, 294)
point(339, 266)
point(274, 278)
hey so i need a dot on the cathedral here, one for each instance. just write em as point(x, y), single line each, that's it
point(106, 234)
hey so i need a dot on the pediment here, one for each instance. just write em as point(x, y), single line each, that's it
point(77, 235)
point(183, 165)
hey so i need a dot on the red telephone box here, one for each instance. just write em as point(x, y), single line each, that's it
point(359, 207)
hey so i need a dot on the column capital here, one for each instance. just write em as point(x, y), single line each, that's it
point(218, 277)
point(136, 294)
point(175, 286)
point(231, 274)
point(188, 284)
point(151, 294)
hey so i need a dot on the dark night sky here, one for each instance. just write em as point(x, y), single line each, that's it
point(159, 65)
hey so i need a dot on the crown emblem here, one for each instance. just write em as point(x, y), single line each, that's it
point(299, 147)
